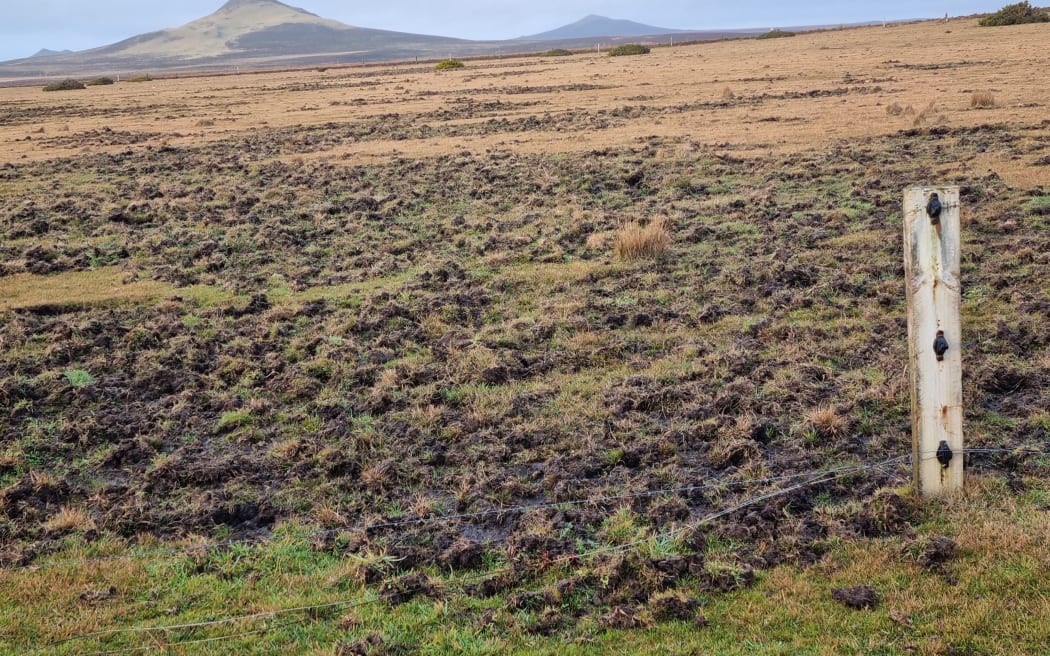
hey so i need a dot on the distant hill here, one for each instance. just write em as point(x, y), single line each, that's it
point(595, 26)
point(44, 52)
point(244, 32)
point(268, 33)
point(261, 28)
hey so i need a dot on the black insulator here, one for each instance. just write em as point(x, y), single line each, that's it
point(933, 209)
point(944, 453)
point(940, 345)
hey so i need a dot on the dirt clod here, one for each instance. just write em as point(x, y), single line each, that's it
point(672, 606)
point(623, 617)
point(938, 551)
point(860, 597)
point(463, 554)
point(405, 588)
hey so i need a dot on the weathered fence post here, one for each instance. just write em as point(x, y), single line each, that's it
point(931, 264)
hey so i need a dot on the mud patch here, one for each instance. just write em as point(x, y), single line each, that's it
point(861, 597)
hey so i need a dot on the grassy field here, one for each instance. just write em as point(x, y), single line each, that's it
point(542, 355)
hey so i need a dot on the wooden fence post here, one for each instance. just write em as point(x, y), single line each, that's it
point(932, 267)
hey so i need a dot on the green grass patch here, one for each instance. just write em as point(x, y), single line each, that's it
point(995, 582)
point(79, 377)
point(1039, 205)
point(233, 420)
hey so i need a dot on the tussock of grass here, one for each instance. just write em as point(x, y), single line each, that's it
point(635, 241)
point(827, 422)
point(79, 378)
point(449, 64)
point(69, 519)
point(982, 100)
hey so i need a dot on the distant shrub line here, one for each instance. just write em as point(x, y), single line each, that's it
point(70, 84)
point(629, 49)
point(65, 85)
point(449, 64)
point(775, 34)
point(1016, 14)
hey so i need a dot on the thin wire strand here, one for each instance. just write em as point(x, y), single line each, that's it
point(423, 520)
point(200, 625)
point(817, 478)
point(245, 634)
point(931, 455)
point(745, 504)
point(927, 456)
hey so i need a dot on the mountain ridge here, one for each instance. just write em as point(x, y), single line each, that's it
point(267, 33)
point(46, 52)
point(594, 25)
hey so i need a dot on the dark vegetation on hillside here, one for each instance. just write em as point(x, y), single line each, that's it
point(65, 85)
point(629, 49)
point(447, 335)
point(1016, 14)
point(298, 38)
point(775, 34)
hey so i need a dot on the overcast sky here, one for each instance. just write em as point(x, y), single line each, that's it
point(29, 25)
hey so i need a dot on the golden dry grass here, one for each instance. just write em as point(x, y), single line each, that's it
point(69, 519)
point(827, 421)
point(635, 241)
point(798, 78)
point(106, 284)
point(983, 100)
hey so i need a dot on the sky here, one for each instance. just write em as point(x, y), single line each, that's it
point(26, 26)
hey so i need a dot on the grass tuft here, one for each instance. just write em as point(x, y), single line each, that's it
point(982, 100)
point(69, 520)
point(635, 241)
point(827, 422)
point(79, 378)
